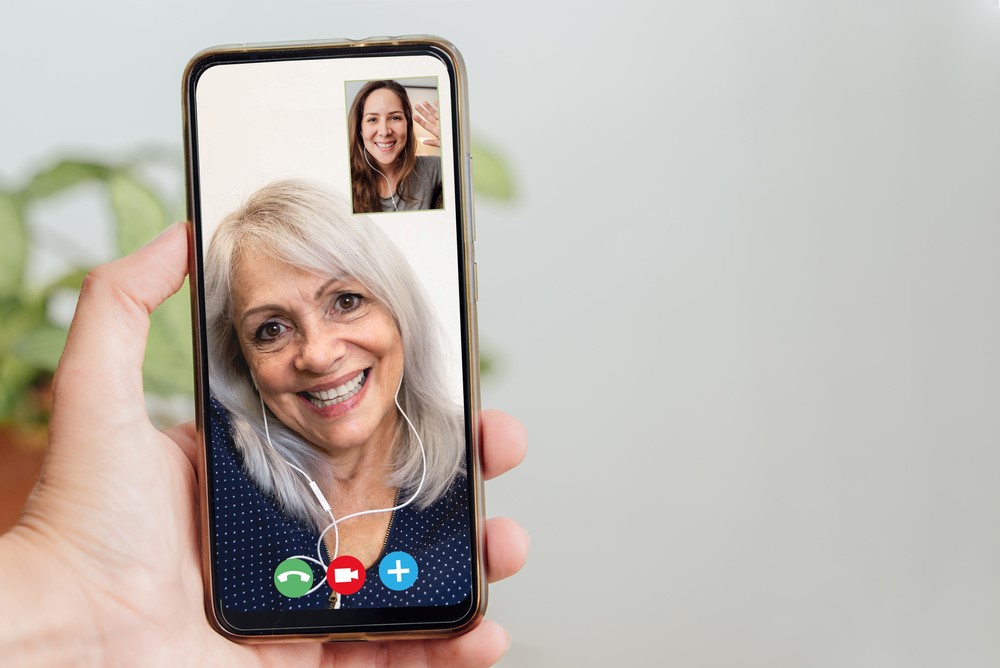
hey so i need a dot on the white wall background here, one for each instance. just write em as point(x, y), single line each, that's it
point(747, 302)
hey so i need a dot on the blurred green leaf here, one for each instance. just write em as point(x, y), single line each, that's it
point(63, 175)
point(41, 346)
point(30, 344)
point(139, 214)
point(490, 175)
point(18, 315)
point(72, 280)
point(13, 245)
point(490, 361)
point(485, 365)
point(168, 367)
point(16, 378)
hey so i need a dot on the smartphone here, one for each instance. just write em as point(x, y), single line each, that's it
point(333, 284)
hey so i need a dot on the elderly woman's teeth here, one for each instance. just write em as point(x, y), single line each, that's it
point(338, 394)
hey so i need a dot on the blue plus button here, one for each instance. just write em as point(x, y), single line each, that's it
point(398, 571)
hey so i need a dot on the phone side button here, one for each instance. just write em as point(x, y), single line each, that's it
point(475, 279)
point(472, 193)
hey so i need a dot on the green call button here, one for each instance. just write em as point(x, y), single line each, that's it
point(293, 578)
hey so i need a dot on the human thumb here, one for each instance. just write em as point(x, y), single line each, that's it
point(100, 372)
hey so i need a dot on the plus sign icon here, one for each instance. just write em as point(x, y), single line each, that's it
point(398, 571)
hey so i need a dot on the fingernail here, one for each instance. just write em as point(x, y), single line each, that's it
point(162, 234)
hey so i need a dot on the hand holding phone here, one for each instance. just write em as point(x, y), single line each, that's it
point(120, 543)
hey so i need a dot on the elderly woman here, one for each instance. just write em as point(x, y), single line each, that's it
point(316, 328)
point(386, 172)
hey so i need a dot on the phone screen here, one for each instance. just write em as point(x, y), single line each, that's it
point(338, 359)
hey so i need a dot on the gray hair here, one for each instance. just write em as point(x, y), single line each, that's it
point(313, 230)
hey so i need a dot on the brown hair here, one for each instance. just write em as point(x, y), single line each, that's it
point(364, 178)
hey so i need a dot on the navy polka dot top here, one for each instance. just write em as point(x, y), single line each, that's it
point(253, 537)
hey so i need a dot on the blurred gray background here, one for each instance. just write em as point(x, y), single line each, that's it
point(746, 301)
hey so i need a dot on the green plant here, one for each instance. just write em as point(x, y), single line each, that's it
point(490, 175)
point(31, 340)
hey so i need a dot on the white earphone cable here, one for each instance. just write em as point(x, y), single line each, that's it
point(326, 505)
point(388, 185)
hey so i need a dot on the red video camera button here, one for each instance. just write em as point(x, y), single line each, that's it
point(345, 575)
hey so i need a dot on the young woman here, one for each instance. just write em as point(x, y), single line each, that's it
point(386, 172)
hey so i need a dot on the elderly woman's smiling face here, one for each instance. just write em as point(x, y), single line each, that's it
point(326, 357)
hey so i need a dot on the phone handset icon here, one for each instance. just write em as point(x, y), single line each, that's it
point(293, 578)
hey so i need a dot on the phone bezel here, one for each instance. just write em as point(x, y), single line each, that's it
point(362, 624)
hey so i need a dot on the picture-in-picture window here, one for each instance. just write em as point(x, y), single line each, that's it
point(394, 144)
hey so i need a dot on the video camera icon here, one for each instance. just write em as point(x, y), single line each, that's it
point(345, 575)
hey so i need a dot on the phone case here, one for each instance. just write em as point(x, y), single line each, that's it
point(297, 359)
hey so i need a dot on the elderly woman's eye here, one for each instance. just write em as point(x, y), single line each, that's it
point(269, 331)
point(347, 302)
